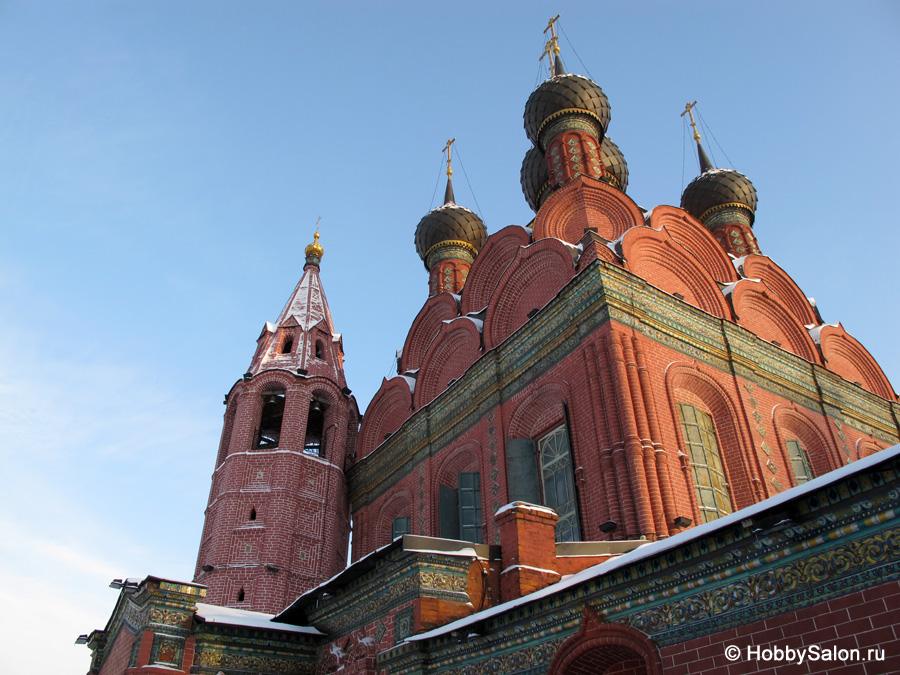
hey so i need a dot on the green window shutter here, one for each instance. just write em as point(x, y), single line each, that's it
point(470, 521)
point(449, 512)
point(799, 462)
point(400, 526)
point(522, 471)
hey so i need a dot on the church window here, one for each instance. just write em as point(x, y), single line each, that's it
point(252, 514)
point(799, 462)
point(270, 421)
point(541, 473)
point(315, 425)
point(713, 494)
point(460, 509)
point(400, 526)
point(240, 595)
point(558, 482)
point(287, 345)
point(320, 350)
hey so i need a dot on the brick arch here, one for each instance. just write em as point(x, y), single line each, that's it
point(845, 356)
point(599, 647)
point(586, 203)
point(790, 423)
point(437, 309)
point(663, 262)
point(456, 347)
point(764, 268)
point(538, 410)
point(762, 311)
point(268, 380)
point(390, 407)
point(493, 259)
point(399, 504)
point(531, 281)
point(868, 446)
point(688, 383)
point(231, 410)
point(696, 239)
point(464, 457)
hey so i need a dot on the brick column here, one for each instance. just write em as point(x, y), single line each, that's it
point(528, 549)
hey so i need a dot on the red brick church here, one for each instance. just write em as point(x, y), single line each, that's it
point(618, 441)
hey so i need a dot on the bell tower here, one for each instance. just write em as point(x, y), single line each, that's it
point(277, 521)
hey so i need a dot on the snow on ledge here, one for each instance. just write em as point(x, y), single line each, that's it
point(661, 546)
point(243, 617)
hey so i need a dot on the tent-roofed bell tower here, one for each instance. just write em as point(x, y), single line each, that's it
point(277, 521)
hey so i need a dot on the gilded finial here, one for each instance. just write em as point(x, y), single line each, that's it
point(705, 163)
point(315, 249)
point(448, 149)
point(689, 110)
point(551, 49)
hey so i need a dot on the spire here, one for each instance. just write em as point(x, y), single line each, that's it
point(551, 49)
point(304, 321)
point(448, 193)
point(705, 164)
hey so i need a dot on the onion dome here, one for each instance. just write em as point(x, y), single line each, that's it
point(565, 94)
point(716, 189)
point(535, 178)
point(450, 224)
point(614, 162)
point(314, 251)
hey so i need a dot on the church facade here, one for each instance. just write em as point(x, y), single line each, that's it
point(618, 441)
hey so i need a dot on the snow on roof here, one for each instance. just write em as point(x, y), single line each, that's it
point(661, 546)
point(815, 332)
point(243, 617)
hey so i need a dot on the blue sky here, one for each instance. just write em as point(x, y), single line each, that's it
point(163, 164)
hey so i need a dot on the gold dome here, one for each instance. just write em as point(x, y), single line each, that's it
point(315, 249)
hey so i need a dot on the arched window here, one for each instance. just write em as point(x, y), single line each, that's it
point(799, 462)
point(320, 350)
point(460, 508)
point(270, 421)
point(240, 595)
point(287, 345)
point(558, 482)
point(252, 514)
point(315, 426)
point(713, 494)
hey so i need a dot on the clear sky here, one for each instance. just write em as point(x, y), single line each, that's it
point(162, 166)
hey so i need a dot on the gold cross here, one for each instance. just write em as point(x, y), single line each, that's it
point(448, 150)
point(552, 46)
point(689, 110)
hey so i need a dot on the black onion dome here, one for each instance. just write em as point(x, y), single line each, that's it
point(718, 187)
point(564, 92)
point(534, 176)
point(614, 161)
point(449, 222)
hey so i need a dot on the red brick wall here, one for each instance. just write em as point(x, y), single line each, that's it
point(864, 620)
point(116, 660)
